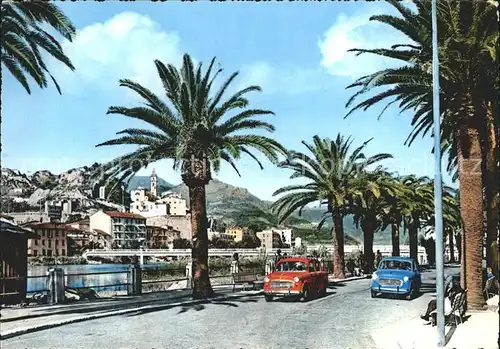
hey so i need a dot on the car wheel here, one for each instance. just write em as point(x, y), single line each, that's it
point(373, 294)
point(304, 297)
point(410, 294)
point(268, 298)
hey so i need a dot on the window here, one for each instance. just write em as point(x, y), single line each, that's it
point(57, 233)
point(36, 241)
point(57, 243)
point(62, 242)
point(43, 243)
point(43, 233)
point(291, 266)
point(50, 243)
point(63, 252)
point(35, 253)
point(49, 253)
point(317, 265)
point(44, 253)
point(311, 266)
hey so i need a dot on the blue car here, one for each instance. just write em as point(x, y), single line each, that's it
point(396, 275)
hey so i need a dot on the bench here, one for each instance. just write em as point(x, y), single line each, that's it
point(490, 286)
point(244, 279)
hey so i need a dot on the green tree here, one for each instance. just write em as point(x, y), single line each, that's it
point(368, 205)
point(198, 130)
point(467, 35)
point(181, 244)
point(332, 173)
point(23, 37)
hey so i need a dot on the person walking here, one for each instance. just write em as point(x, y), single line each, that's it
point(378, 258)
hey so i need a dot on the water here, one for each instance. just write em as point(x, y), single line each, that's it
point(99, 282)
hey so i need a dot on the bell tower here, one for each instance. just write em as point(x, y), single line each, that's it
point(154, 184)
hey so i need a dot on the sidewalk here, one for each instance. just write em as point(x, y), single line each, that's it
point(480, 330)
point(16, 321)
point(351, 278)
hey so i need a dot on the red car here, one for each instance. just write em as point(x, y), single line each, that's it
point(296, 276)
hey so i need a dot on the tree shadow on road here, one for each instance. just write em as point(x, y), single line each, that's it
point(196, 306)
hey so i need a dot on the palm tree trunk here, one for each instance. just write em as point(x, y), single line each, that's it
point(491, 189)
point(395, 239)
point(201, 281)
point(471, 211)
point(338, 250)
point(451, 245)
point(413, 237)
point(368, 229)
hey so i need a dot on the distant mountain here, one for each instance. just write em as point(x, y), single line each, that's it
point(145, 182)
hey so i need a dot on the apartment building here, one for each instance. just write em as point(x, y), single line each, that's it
point(52, 239)
point(220, 236)
point(237, 233)
point(161, 237)
point(269, 238)
point(125, 228)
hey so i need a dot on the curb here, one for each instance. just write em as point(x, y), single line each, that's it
point(19, 332)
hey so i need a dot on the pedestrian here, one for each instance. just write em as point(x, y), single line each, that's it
point(378, 259)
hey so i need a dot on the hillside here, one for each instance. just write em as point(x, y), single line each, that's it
point(145, 182)
point(21, 192)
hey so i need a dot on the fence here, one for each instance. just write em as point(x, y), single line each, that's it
point(134, 281)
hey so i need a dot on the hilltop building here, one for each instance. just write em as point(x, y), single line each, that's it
point(146, 202)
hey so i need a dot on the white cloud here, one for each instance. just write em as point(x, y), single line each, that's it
point(357, 31)
point(284, 79)
point(121, 47)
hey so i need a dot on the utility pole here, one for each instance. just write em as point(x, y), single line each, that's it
point(438, 209)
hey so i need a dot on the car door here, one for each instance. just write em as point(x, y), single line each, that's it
point(312, 276)
point(321, 277)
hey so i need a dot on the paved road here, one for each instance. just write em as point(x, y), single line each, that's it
point(346, 318)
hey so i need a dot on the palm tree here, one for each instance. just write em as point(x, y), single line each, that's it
point(451, 218)
point(23, 37)
point(198, 130)
point(391, 214)
point(467, 35)
point(367, 207)
point(417, 206)
point(333, 175)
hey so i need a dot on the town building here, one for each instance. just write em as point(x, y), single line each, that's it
point(161, 237)
point(179, 223)
point(220, 236)
point(125, 228)
point(176, 205)
point(270, 238)
point(96, 238)
point(149, 208)
point(237, 233)
point(146, 202)
point(51, 241)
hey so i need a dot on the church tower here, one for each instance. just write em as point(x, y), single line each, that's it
point(154, 184)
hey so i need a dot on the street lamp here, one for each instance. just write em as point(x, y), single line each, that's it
point(438, 209)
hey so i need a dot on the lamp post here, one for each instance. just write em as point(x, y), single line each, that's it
point(438, 209)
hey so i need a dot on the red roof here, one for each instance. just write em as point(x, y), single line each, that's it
point(117, 214)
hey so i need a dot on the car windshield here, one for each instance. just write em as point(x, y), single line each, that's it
point(291, 266)
point(392, 264)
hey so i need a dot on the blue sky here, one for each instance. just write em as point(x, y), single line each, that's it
point(295, 51)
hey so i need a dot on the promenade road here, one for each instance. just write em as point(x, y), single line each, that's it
point(346, 318)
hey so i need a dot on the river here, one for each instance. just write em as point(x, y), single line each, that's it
point(94, 281)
